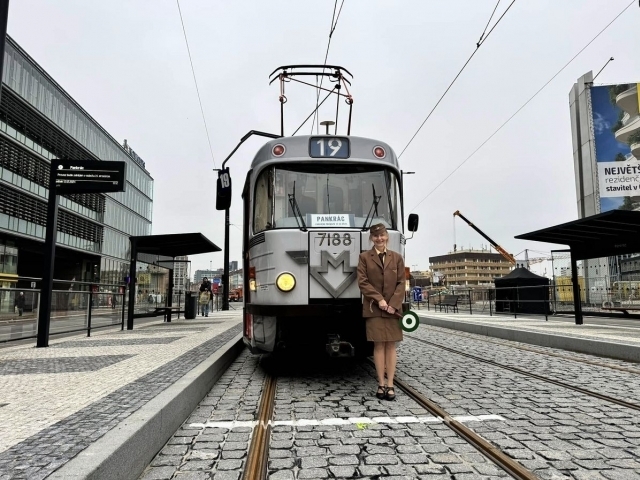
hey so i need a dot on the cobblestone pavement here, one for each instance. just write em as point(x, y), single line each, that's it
point(603, 377)
point(554, 431)
point(60, 400)
point(618, 334)
point(328, 424)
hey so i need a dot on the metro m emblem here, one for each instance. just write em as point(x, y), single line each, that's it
point(325, 259)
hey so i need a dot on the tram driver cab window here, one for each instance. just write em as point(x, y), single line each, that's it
point(262, 213)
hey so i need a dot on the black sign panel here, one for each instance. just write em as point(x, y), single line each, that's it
point(223, 190)
point(87, 176)
point(329, 147)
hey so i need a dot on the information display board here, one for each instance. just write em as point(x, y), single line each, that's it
point(87, 176)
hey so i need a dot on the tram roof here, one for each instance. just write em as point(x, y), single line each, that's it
point(297, 150)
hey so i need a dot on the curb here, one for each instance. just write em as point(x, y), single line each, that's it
point(620, 351)
point(127, 449)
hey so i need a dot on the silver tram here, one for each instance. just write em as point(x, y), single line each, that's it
point(308, 204)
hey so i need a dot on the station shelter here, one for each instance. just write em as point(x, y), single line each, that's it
point(151, 271)
point(609, 234)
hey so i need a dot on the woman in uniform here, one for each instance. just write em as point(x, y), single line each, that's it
point(382, 282)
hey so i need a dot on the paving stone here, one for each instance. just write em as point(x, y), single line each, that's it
point(226, 476)
point(313, 473)
point(313, 462)
point(343, 471)
point(158, 473)
point(344, 460)
point(380, 460)
point(282, 475)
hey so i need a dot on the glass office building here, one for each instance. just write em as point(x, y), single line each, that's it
point(39, 121)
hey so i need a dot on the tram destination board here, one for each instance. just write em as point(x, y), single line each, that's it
point(87, 176)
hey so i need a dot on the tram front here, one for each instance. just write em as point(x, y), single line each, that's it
point(308, 204)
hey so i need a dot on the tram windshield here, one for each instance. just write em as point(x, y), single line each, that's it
point(328, 196)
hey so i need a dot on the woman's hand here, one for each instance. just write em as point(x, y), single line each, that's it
point(390, 309)
point(383, 305)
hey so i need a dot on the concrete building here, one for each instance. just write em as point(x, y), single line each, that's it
point(40, 121)
point(210, 274)
point(181, 274)
point(469, 267)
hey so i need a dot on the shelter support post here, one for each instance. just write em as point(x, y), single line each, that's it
point(577, 303)
point(132, 284)
point(170, 296)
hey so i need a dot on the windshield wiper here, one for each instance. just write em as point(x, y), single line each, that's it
point(296, 209)
point(374, 205)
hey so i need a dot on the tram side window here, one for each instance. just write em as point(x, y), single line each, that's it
point(262, 210)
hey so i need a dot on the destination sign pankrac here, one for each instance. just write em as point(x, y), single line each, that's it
point(87, 176)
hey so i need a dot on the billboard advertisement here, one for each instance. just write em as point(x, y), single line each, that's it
point(616, 124)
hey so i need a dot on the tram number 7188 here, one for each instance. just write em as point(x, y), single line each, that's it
point(335, 239)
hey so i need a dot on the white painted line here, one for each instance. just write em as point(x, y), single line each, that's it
point(347, 421)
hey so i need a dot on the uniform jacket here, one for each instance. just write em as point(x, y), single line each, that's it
point(377, 282)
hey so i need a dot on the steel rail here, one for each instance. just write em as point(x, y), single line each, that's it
point(493, 453)
point(542, 352)
point(607, 398)
point(256, 465)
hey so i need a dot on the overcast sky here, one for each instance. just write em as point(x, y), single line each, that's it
point(126, 63)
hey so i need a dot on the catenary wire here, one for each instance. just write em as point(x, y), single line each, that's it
point(522, 107)
point(334, 23)
point(478, 45)
point(206, 129)
point(487, 25)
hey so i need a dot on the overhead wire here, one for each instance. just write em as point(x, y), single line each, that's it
point(478, 45)
point(487, 25)
point(184, 31)
point(334, 23)
point(523, 105)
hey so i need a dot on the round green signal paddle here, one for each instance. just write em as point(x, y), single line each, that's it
point(409, 321)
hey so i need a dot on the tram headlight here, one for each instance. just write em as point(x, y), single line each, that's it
point(285, 282)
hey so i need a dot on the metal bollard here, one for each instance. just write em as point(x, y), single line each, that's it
point(89, 311)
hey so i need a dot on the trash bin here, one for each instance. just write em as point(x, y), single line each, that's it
point(190, 305)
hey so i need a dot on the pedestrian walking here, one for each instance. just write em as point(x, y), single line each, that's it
point(381, 279)
point(19, 303)
point(205, 296)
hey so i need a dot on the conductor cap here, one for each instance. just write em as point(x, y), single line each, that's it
point(377, 229)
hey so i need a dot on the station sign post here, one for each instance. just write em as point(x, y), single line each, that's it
point(67, 177)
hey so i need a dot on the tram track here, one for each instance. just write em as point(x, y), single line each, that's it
point(607, 398)
point(497, 456)
point(258, 455)
point(635, 371)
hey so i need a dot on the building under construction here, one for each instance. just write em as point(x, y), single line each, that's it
point(469, 267)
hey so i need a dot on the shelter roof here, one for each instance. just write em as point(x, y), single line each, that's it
point(174, 245)
point(612, 233)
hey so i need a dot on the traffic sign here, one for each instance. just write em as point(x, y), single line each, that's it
point(216, 281)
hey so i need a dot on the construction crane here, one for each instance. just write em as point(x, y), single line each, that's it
point(510, 258)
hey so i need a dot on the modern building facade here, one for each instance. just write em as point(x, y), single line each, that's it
point(469, 267)
point(181, 274)
point(605, 128)
point(210, 274)
point(40, 121)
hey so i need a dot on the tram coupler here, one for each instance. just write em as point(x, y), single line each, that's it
point(337, 348)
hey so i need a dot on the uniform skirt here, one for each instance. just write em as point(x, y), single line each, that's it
point(383, 329)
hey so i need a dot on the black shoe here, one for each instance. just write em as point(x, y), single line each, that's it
point(390, 393)
point(382, 391)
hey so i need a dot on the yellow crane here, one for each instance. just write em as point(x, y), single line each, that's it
point(510, 258)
